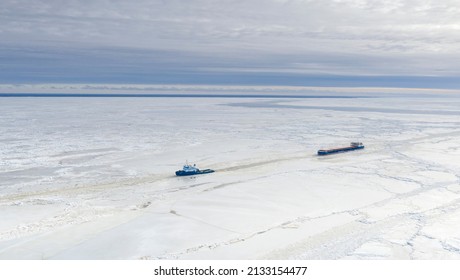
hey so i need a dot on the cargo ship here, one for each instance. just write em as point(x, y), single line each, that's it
point(353, 146)
point(188, 170)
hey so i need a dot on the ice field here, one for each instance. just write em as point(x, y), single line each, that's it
point(93, 178)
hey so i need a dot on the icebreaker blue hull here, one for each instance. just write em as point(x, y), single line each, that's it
point(195, 172)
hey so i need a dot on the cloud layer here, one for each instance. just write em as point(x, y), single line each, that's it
point(181, 41)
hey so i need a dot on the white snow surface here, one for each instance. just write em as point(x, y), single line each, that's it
point(93, 178)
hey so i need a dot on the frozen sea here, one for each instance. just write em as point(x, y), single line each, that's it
point(93, 177)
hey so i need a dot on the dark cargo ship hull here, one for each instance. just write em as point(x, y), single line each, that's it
point(338, 150)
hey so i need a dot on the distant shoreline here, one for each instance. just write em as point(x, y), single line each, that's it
point(175, 95)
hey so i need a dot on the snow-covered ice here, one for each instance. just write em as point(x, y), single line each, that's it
point(93, 178)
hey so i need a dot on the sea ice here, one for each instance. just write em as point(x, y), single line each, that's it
point(93, 178)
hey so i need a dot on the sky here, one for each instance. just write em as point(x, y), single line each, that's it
point(361, 43)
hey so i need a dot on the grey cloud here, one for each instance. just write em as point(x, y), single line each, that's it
point(337, 37)
point(203, 21)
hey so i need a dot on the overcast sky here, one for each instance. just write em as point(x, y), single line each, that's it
point(409, 43)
